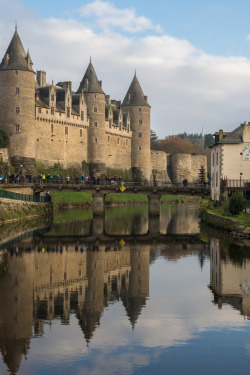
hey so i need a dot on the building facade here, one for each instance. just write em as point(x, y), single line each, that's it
point(230, 160)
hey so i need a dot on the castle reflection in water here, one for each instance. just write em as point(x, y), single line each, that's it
point(49, 282)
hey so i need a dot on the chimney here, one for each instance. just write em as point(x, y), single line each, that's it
point(146, 98)
point(100, 83)
point(41, 78)
point(220, 135)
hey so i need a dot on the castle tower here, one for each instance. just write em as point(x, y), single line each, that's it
point(17, 102)
point(95, 99)
point(139, 111)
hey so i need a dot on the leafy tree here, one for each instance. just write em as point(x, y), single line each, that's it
point(154, 140)
point(173, 144)
point(4, 139)
point(237, 203)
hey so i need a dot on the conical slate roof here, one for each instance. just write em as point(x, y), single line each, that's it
point(135, 95)
point(92, 85)
point(15, 57)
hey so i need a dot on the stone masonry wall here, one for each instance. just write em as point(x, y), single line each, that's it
point(187, 166)
point(159, 170)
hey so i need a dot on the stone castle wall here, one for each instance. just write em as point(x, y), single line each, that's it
point(187, 166)
point(17, 114)
point(118, 149)
point(140, 147)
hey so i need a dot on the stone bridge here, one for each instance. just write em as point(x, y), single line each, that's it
point(99, 192)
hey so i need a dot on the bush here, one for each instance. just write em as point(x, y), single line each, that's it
point(206, 205)
point(237, 203)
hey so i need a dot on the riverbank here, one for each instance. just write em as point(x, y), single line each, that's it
point(11, 210)
point(64, 199)
point(236, 225)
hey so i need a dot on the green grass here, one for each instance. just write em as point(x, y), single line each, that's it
point(72, 198)
point(241, 219)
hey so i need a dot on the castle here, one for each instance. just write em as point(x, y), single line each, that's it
point(52, 124)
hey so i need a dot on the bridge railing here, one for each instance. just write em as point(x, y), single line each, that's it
point(150, 184)
point(25, 197)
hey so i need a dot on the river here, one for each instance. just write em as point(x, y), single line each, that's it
point(123, 295)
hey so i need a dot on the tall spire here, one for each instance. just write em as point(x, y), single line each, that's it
point(135, 95)
point(90, 81)
point(15, 57)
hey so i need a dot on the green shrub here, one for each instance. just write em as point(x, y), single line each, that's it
point(206, 205)
point(237, 203)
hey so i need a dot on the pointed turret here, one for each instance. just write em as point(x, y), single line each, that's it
point(135, 95)
point(90, 81)
point(15, 57)
point(136, 104)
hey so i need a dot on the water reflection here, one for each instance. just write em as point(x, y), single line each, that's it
point(99, 302)
point(230, 275)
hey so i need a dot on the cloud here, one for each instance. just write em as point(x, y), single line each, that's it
point(187, 88)
point(108, 16)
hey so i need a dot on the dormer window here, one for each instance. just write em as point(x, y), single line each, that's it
point(52, 98)
point(110, 123)
point(68, 111)
point(52, 110)
point(82, 115)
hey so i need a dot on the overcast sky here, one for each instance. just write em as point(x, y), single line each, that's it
point(192, 57)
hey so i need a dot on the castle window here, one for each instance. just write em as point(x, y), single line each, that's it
point(17, 128)
point(16, 72)
point(80, 132)
point(213, 159)
point(95, 124)
point(118, 141)
point(46, 111)
point(126, 142)
point(217, 158)
point(110, 124)
point(52, 110)
point(95, 140)
point(52, 97)
point(95, 109)
point(68, 111)
point(82, 116)
point(108, 138)
point(39, 110)
point(52, 128)
point(140, 122)
point(17, 109)
point(66, 130)
point(139, 109)
point(140, 135)
point(17, 90)
point(139, 148)
point(95, 96)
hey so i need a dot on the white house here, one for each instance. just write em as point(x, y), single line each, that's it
point(230, 160)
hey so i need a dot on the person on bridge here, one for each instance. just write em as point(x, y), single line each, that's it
point(185, 183)
point(82, 179)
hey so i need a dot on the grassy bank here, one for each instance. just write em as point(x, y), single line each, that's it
point(221, 217)
point(12, 210)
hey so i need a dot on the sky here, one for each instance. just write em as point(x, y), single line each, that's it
point(191, 57)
